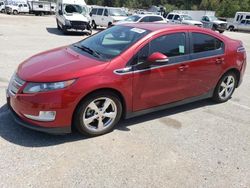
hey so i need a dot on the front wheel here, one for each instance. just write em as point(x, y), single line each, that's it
point(98, 114)
point(15, 12)
point(225, 87)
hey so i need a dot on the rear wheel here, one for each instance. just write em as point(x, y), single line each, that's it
point(15, 12)
point(225, 87)
point(98, 114)
point(231, 28)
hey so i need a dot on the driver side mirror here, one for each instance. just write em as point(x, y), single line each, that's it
point(157, 57)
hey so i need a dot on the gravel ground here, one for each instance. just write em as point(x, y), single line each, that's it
point(196, 145)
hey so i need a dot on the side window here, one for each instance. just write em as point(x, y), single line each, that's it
point(170, 45)
point(142, 55)
point(106, 12)
point(155, 19)
point(205, 43)
point(248, 17)
point(20, 5)
point(243, 21)
point(176, 17)
point(24, 5)
point(170, 16)
point(93, 11)
point(145, 19)
point(248, 22)
point(100, 11)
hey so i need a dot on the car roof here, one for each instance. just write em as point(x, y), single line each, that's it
point(152, 26)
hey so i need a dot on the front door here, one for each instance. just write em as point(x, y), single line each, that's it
point(159, 83)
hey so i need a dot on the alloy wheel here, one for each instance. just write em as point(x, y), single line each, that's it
point(226, 87)
point(100, 114)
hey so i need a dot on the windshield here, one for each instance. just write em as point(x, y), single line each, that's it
point(132, 18)
point(117, 12)
point(186, 17)
point(212, 18)
point(70, 9)
point(112, 42)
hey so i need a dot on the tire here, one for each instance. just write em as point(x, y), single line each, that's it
point(89, 118)
point(58, 27)
point(109, 24)
point(221, 32)
point(231, 28)
point(64, 30)
point(94, 26)
point(15, 12)
point(225, 88)
point(42, 14)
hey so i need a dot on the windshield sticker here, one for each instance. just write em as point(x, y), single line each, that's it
point(181, 49)
point(137, 30)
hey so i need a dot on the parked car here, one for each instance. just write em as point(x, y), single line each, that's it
point(244, 25)
point(239, 16)
point(2, 6)
point(91, 84)
point(106, 16)
point(177, 18)
point(41, 7)
point(142, 18)
point(17, 8)
point(73, 15)
point(214, 23)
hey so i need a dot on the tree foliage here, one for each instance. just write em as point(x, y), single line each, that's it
point(226, 8)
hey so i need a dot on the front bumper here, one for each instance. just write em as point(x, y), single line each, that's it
point(52, 130)
point(78, 25)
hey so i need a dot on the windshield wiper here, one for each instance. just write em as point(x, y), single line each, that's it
point(88, 50)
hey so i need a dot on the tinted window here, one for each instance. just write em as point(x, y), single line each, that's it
point(106, 12)
point(170, 16)
point(20, 5)
point(145, 19)
point(237, 18)
point(203, 43)
point(248, 17)
point(176, 17)
point(248, 22)
point(25, 5)
point(170, 45)
point(93, 11)
point(155, 19)
point(243, 21)
point(99, 12)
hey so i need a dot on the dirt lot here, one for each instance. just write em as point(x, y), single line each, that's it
point(196, 145)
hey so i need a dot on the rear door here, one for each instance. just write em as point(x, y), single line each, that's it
point(205, 66)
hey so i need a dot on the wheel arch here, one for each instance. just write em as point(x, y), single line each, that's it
point(236, 72)
point(112, 90)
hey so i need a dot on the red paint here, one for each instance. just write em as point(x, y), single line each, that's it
point(140, 90)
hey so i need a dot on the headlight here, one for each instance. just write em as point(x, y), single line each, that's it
point(41, 87)
point(67, 22)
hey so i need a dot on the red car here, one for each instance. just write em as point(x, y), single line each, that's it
point(124, 71)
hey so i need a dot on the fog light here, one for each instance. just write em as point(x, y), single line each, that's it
point(43, 116)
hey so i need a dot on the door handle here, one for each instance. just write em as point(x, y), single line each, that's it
point(219, 60)
point(183, 67)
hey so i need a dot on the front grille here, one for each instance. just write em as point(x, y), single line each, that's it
point(78, 23)
point(224, 26)
point(15, 84)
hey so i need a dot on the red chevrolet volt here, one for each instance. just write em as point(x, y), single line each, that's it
point(124, 71)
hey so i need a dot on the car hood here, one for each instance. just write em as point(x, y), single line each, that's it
point(57, 65)
point(123, 22)
point(76, 17)
point(193, 22)
point(219, 22)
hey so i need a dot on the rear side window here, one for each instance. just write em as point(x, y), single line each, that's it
point(93, 11)
point(176, 17)
point(205, 43)
point(25, 5)
point(145, 19)
point(248, 17)
point(99, 12)
point(170, 16)
point(155, 19)
point(243, 21)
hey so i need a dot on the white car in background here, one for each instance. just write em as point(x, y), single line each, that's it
point(17, 8)
point(143, 18)
point(106, 16)
point(177, 18)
